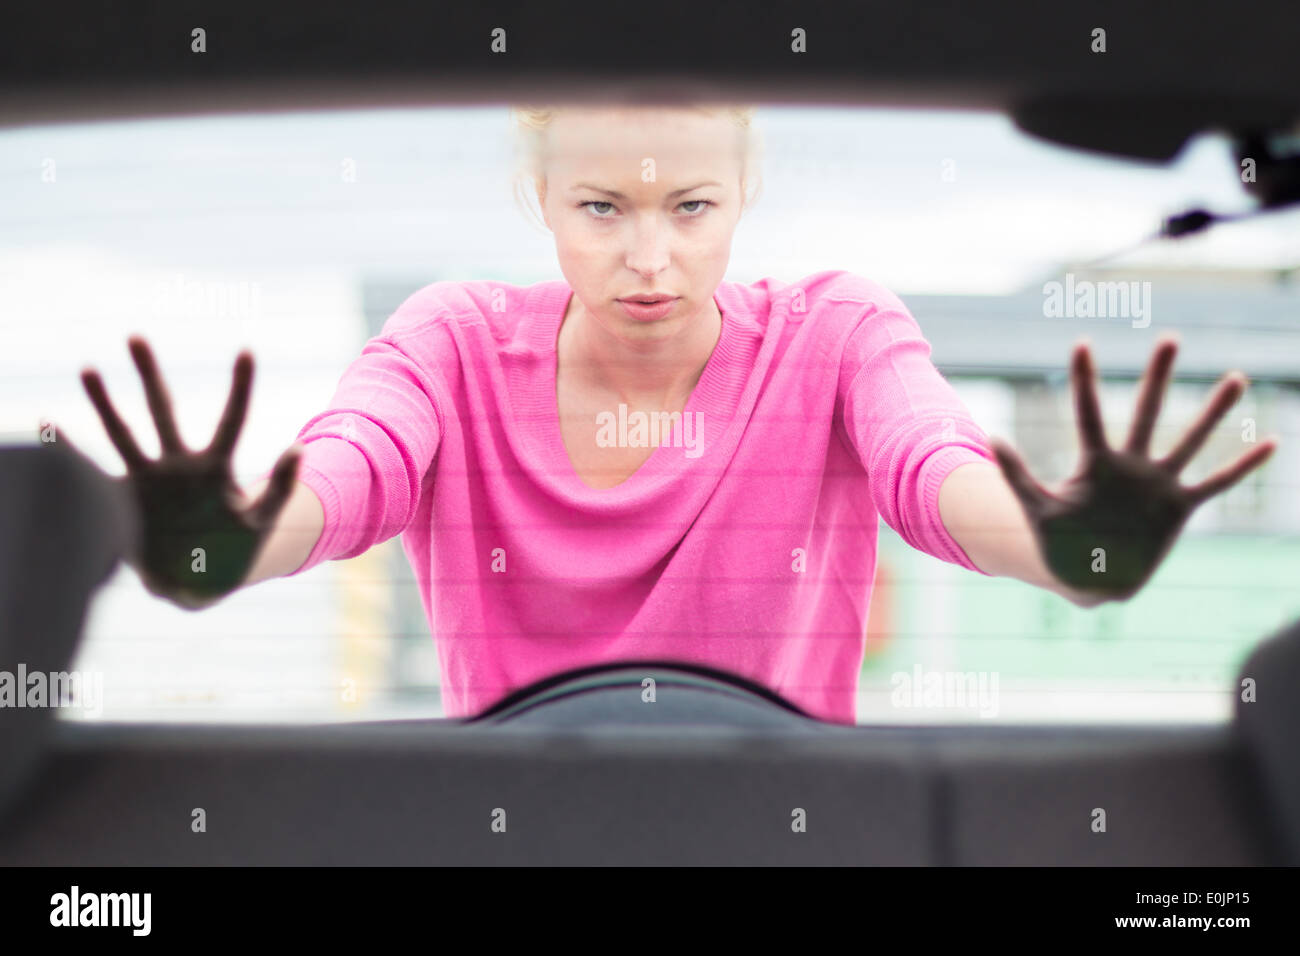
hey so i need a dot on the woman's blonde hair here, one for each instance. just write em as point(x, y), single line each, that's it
point(531, 122)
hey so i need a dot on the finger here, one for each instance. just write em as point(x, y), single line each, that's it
point(1026, 488)
point(1150, 396)
point(1225, 396)
point(118, 433)
point(155, 391)
point(1091, 432)
point(279, 488)
point(1226, 477)
point(232, 419)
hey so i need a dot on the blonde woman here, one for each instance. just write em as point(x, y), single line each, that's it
point(643, 460)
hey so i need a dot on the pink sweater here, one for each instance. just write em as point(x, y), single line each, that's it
point(747, 541)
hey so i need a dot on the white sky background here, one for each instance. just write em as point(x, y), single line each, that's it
point(261, 200)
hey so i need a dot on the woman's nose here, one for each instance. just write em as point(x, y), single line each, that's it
point(650, 248)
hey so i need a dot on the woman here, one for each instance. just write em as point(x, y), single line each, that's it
point(581, 475)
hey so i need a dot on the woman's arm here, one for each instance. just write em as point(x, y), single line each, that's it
point(983, 515)
point(296, 531)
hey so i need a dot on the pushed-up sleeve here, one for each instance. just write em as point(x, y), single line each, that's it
point(366, 456)
point(906, 425)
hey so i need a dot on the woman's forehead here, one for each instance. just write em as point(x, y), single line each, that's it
point(597, 127)
point(676, 136)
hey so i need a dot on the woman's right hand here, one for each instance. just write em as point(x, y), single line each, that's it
point(200, 534)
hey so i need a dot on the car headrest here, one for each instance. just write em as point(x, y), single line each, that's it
point(1268, 722)
point(63, 526)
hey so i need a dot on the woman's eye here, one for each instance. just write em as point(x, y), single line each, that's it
point(702, 204)
point(698, 202)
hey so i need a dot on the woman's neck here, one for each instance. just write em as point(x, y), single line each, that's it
point(647, 375)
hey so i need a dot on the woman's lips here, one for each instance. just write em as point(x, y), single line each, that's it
point(640, 310)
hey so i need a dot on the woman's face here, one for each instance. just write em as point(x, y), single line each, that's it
point(642, 201)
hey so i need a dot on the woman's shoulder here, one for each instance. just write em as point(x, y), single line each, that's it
point(496, 305)
point(825, 300)
point(833, 288)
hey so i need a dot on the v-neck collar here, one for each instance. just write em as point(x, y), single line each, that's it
point(711, 399)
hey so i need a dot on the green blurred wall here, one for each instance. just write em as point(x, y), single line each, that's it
point(1212, 600)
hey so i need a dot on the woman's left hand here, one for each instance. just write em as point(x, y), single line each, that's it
point(1106, 529)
